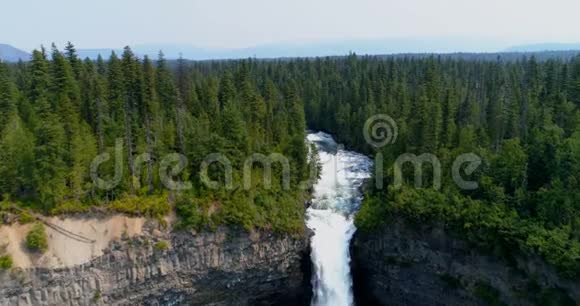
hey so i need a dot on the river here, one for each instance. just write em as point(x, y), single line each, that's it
point(337, 197)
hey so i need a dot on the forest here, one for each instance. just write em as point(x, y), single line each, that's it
point(520, 116)
point(59, 112)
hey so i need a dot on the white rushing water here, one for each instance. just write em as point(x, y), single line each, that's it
point(337, 197)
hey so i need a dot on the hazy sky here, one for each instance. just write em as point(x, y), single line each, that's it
point(232, 24)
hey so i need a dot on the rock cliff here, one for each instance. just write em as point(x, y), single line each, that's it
point(226, 267)
point(410, 264)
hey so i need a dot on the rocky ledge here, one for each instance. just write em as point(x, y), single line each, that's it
point(226, 267)
point(410, 264)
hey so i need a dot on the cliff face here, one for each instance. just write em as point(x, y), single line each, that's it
point(226, 267)
point(405, 264)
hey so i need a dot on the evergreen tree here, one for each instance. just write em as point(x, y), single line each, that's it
point(8, 94)
point(16, 158)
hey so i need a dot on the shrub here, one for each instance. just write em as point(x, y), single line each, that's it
point(154, 206)
point(36, 239)
point(25, 218)
point(193, 213)
point(97, 296)
point(69, 207)
point(162, 245)
point(5, 262)
point(275, 210)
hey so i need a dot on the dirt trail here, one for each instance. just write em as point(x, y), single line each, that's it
point(72, 241)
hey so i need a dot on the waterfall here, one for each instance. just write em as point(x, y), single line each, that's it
point(336, 198)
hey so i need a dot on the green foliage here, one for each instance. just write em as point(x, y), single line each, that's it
point(97, 296)
point(16, 157)
point(50, 167)
point(162, 246)
point(69, 207)
point(509, 166)
point(25, 218)
point(61, 112)
point(372, 214)
point(155, 206)
point(197, 213)
point(490, 226)
point(5, 262)
point(36, 239)
point(265, 210)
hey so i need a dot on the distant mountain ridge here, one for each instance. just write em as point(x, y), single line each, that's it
point(312, 49)
point(9, 53)
point(545, 47)
point(325, 48)
point(94, 53)
point(337, 48)
point(464, 48)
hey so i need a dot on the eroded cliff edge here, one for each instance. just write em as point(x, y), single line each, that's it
point(423, 264)
point(229, 266)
